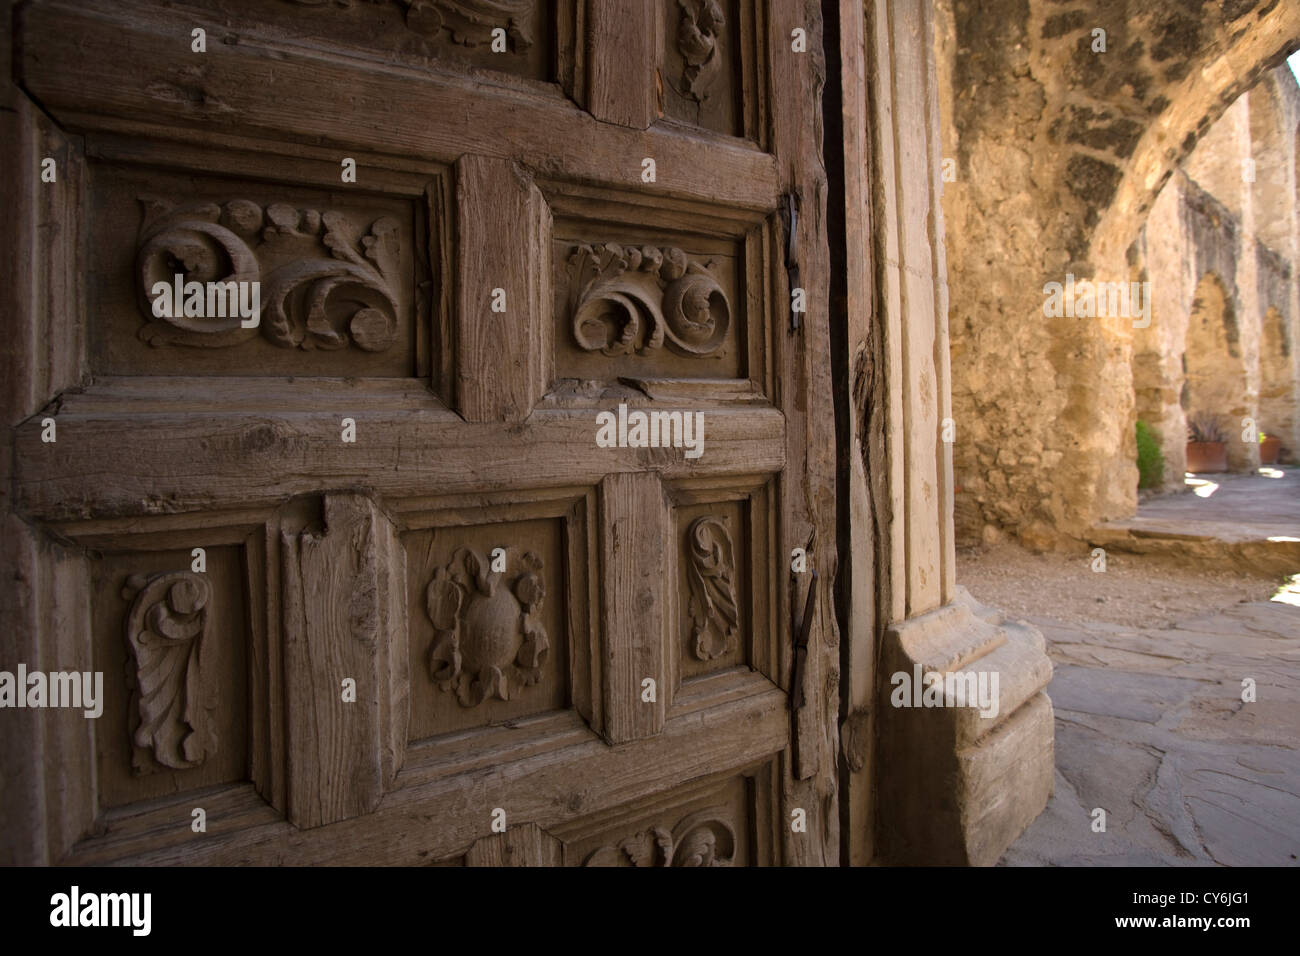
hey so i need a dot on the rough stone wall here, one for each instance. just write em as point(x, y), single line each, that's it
point(1059, 152)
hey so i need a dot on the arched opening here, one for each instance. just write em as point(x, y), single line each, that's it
point(1277, 383)
point(1215, 390)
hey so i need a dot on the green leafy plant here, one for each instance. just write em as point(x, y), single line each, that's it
point(1151, 463)
point(1204, 428)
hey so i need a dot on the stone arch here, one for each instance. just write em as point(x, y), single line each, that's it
point(1061, 151)
point(1216, 383)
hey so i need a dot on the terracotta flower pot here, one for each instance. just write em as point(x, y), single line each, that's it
point(1269, 449)
point(1207, 456)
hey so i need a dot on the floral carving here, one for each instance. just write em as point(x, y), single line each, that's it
point(701, 839)
point(469, 22)
point(626, 300)
point(171, 719)
point(698, 34)
point(488, 637)
point(326, 282)
point(711, 573)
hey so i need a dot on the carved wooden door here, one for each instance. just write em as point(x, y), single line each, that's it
point(475, 547)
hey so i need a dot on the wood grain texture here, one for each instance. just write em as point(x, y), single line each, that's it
point(622, 49)
point(635, 537)
point(526, 845)
point(187, 462)
point(808, 487)
point(43, 346)
point(866, 491)
point(72, 61)
point(541, 788)
point(505, 360)
point(148, 461)
point(343, 617)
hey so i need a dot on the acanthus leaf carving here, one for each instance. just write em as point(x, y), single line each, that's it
point(711, 574)
point(488, 637)
point(171, 716)
point(701, 839)
point(327, 281)
point(698, 33)
point(625, 300)
point(468, 22)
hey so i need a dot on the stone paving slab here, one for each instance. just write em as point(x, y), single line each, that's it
point(1151, 727)
point(1251, 521)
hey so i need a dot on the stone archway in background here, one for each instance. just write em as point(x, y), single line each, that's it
point(1216, 381)
point(1059, 155)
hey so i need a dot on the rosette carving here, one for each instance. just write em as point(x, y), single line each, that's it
point(488, 636)
point(625, 300)
point(468, 22)
point(701, 839)
point(325, 282)
point(711, 573)
point(171, 718)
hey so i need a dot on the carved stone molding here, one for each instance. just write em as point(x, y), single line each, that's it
point(171, 720)
point(468, 22)
point(711, 572)
point(698, 35)
point(488, 636)
point(706, 838)
point(625, 300)
point(327, 281)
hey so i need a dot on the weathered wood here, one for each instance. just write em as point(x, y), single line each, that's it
point(337, 558)
point(201, 461)
point(527, 845)
point(72, 61)
point(808, 489)
point(39, 275)
point(503, 322)
point(542, 789)
point(635, 538)
point(344, 616)
point(622, 47)
point(864, 380)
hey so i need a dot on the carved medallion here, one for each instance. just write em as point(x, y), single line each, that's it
point(711, 573)
point(467, 22)
point(702, 839)
point(171, 720)
point(626, 300)
point(698, 35)
point(326, 281)
point(488, 632)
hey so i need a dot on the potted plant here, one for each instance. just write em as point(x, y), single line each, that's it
point(1269, 448)
point(1207, 447)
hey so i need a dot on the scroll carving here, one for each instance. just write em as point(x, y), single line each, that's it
point(711, 573)
point(171, 719)
point(488, 635)
point(701, 839)
point(698, 35)
point(626, 300)
point(326, 282)
point(468, 22)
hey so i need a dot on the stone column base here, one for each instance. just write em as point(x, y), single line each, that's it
point(956, 787)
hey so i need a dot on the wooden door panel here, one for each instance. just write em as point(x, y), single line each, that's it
point(495, 587)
